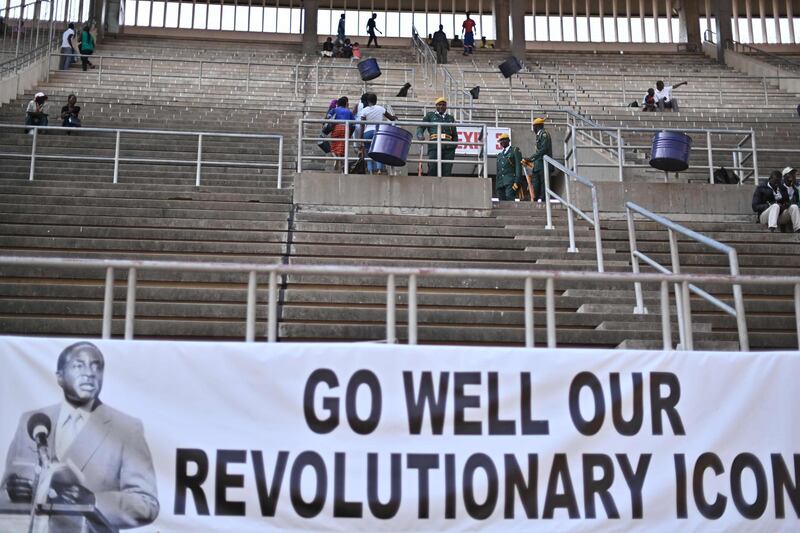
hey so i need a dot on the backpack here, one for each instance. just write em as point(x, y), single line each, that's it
point(725, 177)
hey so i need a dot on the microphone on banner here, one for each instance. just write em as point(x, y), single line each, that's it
point(39, 426)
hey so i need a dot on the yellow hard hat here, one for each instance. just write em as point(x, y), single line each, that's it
point(440, 100)
point(503, 136)
point(538, 120)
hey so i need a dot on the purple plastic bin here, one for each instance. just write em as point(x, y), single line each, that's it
point(390, 145)
point(369, 69)
point(670, 151)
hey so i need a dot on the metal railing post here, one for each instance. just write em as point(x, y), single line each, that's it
point(439, 149)
point(597, 239)
point(624, 92)
point(485, 151)
point(551, 312)
point(529, 318)
point(116, 156)
point(639, 309)
point(738, 303)
point(296, 75)
point(755, 156)
point(272, 308)
point(710, 158)
point(766, 95)
point(280, 162)
point(300, 145)
point(130, 304)
point(548, 209)
point(666, 325)
point(199, 159)
point(570, 219)
point(680, 294)
point(347, 147)
point(391, 325)
point(412, 309)
point(100, 71)
point(250, 327)
point(108, 303)
point(574, 148)
point(200, 74)
point(33, 153)
point(150, 74)
point(620, 155)
point(316, 79)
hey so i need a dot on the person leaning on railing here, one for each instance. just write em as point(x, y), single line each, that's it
point(449, 133)
point(773, 205)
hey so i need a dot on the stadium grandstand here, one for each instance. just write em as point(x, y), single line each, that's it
point(205, 196)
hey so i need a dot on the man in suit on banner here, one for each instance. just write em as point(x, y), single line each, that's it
point(105, 445)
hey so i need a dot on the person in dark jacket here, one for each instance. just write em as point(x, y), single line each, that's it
point(771, 204)
point(440, 45)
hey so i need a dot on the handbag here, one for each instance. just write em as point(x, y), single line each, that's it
point(325, 146)
point(74, 122)
point(358, 167)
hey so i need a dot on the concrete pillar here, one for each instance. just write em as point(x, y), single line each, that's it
point(501, 12)
point(689, 17)
point(111, 25)
point(310, 42)
point(518, 25)
point(723, 12)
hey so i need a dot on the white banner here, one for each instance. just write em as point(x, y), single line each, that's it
point(492, 144)
point(468, 135)
point(342, 437)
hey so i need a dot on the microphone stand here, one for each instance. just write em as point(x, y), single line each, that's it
point(44, 463)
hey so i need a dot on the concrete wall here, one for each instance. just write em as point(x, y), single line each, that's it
point(22, 81)
point(699, 198)
point(754, 67)
point(401, 192)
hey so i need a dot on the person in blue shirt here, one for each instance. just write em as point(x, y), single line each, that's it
point(341, 112)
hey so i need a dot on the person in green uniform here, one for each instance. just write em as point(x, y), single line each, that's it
point(544, 146)
point(449, 133)
point(509, 170)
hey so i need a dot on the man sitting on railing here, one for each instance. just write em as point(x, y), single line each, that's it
point(664, 99)
point(37, 111)
point(772, 205)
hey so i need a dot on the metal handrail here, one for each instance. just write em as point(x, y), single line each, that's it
point(732, 44)
point(198, 161)
point(682, 289)
point(348, 140)
point(621, 146)
point(594, 220)
point(391, 274)
point(103, 70)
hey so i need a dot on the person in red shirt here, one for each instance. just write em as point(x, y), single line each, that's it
point(468, 28)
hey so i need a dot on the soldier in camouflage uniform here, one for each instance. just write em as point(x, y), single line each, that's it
point(449, 133)
point(544, 146)
point(509, 169)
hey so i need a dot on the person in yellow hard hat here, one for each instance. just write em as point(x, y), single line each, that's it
point(449, 134)
point(544, 146)
point(509, 169)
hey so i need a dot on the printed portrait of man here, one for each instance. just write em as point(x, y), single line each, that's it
point(107, 446)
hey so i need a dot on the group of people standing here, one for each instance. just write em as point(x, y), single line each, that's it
point(71, 48)
point(367, 110)
point(441, 45)
point(511, 183)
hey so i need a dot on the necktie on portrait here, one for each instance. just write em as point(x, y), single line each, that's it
point(67, 433)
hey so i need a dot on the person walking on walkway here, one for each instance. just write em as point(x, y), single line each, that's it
point(544, 147)
point(67, 46)
point(448, 133)
point(371, 29)
point(509, 170)
point(340, 30)
point(441, 45)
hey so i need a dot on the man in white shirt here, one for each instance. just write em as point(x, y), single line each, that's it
point(372, 112)
point(664, 99)
point(67, 46)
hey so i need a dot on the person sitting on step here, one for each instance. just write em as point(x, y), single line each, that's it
point(36, 112)
point(772, 206)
